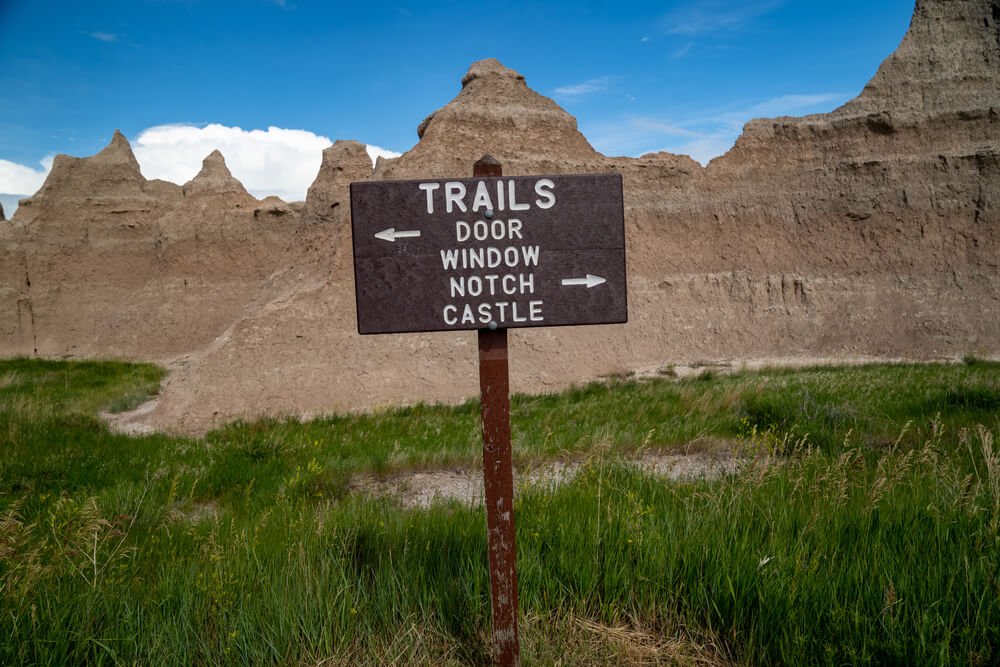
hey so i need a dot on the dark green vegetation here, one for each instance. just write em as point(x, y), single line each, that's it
point(863, 527)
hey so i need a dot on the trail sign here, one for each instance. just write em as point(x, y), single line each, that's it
point(501, 252)
point(490, 253)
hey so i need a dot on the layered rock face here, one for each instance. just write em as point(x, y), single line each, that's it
point(868, 232)
point(885, 209)
point(950, 53)
point(104, 263)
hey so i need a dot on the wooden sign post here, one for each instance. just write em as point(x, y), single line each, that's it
point(487, 254)
point(498, 476)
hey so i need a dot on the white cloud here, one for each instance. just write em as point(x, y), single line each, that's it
point(704, 135)
point(104, 36)
point(18, 179)
point(375, 152)
point(275, 161)
point(586, 88)
point(707, 16)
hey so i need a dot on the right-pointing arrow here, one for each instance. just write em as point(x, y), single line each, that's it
point(589, 281)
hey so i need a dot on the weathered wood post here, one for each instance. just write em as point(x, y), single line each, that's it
point(498, 475)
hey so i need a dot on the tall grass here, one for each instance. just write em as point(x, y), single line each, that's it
point(862, 528)
point(819, 559)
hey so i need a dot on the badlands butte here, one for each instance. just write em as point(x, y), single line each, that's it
point(868, 232)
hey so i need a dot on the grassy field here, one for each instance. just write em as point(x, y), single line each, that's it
point(863, 527)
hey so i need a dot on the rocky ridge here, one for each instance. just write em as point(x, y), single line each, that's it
point(871, 231)
point(102, 262)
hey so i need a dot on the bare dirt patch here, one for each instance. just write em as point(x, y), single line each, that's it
point(422, 488)
point(131, 422)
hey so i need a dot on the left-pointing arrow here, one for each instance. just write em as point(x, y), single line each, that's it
point(391, 234)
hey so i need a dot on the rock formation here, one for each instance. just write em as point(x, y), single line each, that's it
point(496, 113)
point(343, 163)
point(951, 53)
point(112, 174)
point(871, 231)
point(215, 179)
point(104, 263)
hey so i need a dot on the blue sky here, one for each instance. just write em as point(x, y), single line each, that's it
point(180, 77)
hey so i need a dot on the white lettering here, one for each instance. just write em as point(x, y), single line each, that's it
point(449, 259)
point(482, 198)
point(530, 254)
point(527, 283)
point(499, 258)
point(480, 230)
point(514, 229)
point(543, 188)
point(429, 188)
point(489, 257)
point(467, 316)
point(494, 311)
point(512, 199)
point(535, 311)
point(493, 257)
point(510, 284)
point(513, 314)
point(506, 198)
point(453, 194)
point(475, 285)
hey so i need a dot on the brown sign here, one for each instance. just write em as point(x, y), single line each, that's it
point(476, 253)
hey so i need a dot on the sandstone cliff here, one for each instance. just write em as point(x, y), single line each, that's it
point(948, 62)
point(104, 263)
point(868, 232)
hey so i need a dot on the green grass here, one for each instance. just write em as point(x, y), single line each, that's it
point(864, 528)
point(873, 402)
